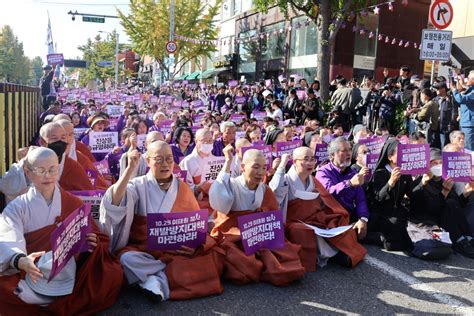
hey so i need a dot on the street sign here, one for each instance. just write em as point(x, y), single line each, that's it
point(171, 47)
point(104, 63)
point(93, 19)
point(441, 14)
point(436, 45)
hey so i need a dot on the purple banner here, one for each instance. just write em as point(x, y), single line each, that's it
point(287, 147)
point(457, 166)
point(180, 174)
point(321, 153)
point(92, 175)
point(259, 115)
point(258, 143)
point(102, 166)
point(165, 126)
point(171, 231)
point(197, 103)
point(70, 238)
point(91, 197)
point(237, 118)
point(413, 159)
point(261, 230)
point(55, 59)
point(233, 83)
point(371, 162)
point(265, 149)
point(240, 100)
point(374, 144)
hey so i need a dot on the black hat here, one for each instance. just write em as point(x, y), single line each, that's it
point(310, 91)
point(435, 154)
point(440, 85)
point(47, 67)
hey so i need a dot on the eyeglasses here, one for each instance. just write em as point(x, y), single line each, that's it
point(42, 172)
point(160, 159)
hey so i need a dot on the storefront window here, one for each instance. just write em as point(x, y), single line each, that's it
point(304, 39)
point(364, 45)
point(247, 52)
point(273, 45)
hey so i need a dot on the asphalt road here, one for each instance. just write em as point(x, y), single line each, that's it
point(385, 283)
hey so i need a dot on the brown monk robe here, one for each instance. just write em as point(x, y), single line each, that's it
point(188, 277)
point(303, 199)
point(233, 197)
point(323, 212)
point(74, 177)
point(84, 149)
point(100, 182)
point(204, 202)
point(181, 274)
point(98, 281)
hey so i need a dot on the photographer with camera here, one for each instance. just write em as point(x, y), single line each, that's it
point(389, 100)
point(465, 99)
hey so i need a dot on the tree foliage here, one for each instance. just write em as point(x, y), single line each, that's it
point(95, 51)
point(15, 67)
point(329, 15)
point(147, 25)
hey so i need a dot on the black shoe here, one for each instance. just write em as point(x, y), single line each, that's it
point(152, 297)
point(342, 259)
point(374, 238)
point(465, 248)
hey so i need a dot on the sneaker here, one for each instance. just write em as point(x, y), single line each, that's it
point(152, 289)
point(465, 248)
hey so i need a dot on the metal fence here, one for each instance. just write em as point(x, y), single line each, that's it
point(20, 107)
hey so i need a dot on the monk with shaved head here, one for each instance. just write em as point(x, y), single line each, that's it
point(181, 274)
point(26, 227)
point(303, 199)
point(77, 145)
point(247, 194)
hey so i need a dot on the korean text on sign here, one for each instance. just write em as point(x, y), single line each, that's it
point(413, 159)
point(261, 230)
point(171, 231)
point(103, 142)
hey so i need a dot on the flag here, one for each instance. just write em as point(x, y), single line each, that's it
point(49, 38)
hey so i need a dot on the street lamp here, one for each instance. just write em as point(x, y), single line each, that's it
point(116, 56)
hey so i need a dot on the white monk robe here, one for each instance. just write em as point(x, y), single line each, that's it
point(143, 196)
point(235, 168)
point(28, 213)
point(139, 171)
point(232, 194)
point(289, 187)
point(194, 165)
point(15, 183)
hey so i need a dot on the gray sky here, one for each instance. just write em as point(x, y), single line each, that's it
point(29, 21)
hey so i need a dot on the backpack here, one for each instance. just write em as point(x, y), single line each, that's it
point(425, 246)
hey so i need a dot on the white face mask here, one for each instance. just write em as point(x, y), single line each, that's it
point(437, 170)
point(206, 148)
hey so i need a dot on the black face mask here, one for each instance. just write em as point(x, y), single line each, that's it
point(59, 147)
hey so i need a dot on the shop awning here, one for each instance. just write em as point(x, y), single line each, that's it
point(181, 77)
point(193, 76)
point(209, 73)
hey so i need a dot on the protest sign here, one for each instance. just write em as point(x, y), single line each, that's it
point(233, 83)
point(457, 166)
point(169, 99)
point(102, 166)
point(321, 153)
point(67, 110)
point(165, 127)
point(212, 167)
point(261, 230)
point(240, 100)
point(237, 118)
point(69, 238)
point(102, 142)
point(197, 103)
point(114, 110)
point(258, 143)
point(301, 94)
point(371, 162)
point(171, 231)
point(55, 59)
point(259, 115)
point(180, 174)
point(91, 197)
point(141, 142)
point(287, 147)
point(113, 122)
point(265, 149)
point(374, 144)
point(92, 176)
point(239, 135)
point(413, 159)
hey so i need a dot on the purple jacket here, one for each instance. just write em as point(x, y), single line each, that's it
point(178, 154)
point(337, 183)
point(114, 161)
point(218, 147)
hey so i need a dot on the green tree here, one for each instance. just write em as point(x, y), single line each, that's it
point(36, 70)
point(147, 25)
point(14, 65)
point(328, 15)
point(95, 51)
